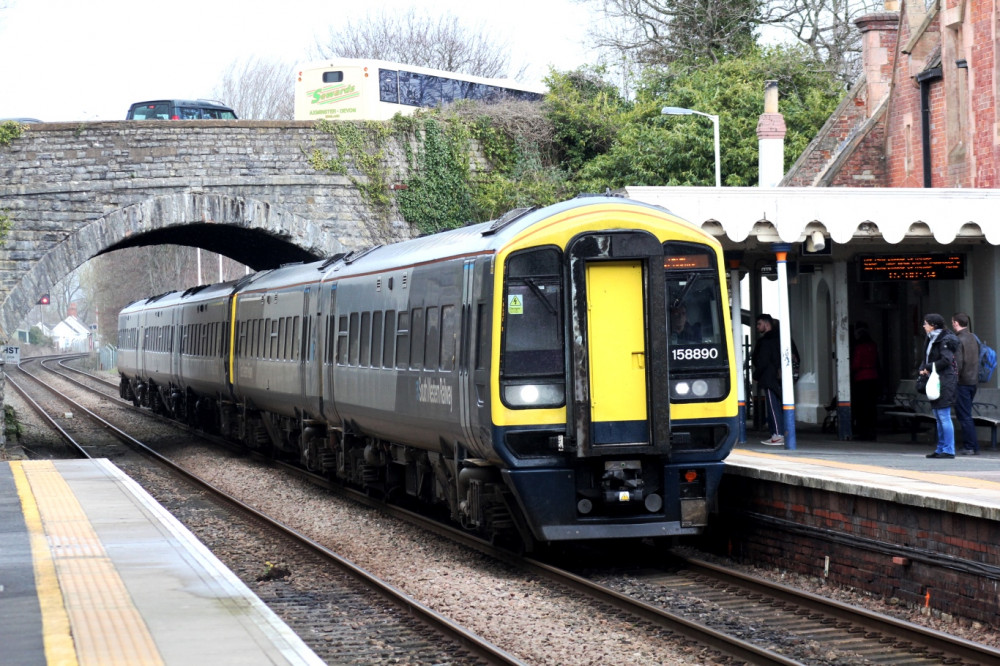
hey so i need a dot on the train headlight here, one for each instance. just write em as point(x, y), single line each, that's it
point(707, 388)
point(534, 395)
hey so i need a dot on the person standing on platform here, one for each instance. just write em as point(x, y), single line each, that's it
point(767, 373)
point(865, 383)
point(967, 362)
point(942, 346)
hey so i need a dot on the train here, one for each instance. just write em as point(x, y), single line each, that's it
point(562, 373)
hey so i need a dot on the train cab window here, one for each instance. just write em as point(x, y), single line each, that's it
point(696, 333)
point(532, 364)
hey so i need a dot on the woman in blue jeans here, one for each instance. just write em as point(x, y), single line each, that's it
point(942, 345)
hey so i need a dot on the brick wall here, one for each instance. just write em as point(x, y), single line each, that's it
point(950, 563)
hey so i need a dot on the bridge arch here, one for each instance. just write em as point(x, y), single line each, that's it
point(252, 231)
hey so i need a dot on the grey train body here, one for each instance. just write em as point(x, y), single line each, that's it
point(378, 369)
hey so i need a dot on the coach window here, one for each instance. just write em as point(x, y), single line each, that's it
point(335, 76)
point(532, 365)
point(388, 86)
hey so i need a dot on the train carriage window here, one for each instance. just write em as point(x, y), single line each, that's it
point(432, 346)
point(342, 340)
point(417, 337)
point(403, 340)
point(354, 335)
point(305, 350)
point(482, 338)
point(388, 335)
point(272, 338)
point(331, 339)
point(278, 343)
point(376, 339)
point(203, 340)
point(366, 339)
point(449, 337)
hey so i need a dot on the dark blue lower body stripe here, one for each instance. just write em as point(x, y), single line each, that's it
point(619, 432)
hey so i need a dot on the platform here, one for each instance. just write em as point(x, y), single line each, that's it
point(892, 469)
point(95, 571)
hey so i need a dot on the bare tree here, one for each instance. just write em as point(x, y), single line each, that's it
point(439, 41)
point(259, 89)
point(826, 27)
point(658, 31)
point(655, 31)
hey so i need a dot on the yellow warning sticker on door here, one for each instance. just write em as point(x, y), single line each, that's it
point(514, 304)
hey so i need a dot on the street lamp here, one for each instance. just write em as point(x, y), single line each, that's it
point(678, 111)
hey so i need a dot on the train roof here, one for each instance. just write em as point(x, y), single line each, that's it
point(483, 238)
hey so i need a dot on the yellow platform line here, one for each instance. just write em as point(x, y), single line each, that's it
point(930, 477)
point(106, 627)
point(55, 623)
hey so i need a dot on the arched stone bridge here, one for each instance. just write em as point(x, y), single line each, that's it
point(244, 189)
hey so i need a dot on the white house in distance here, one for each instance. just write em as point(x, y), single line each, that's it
point(71, 335)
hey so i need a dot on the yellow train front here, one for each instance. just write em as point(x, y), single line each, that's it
point(613, 384)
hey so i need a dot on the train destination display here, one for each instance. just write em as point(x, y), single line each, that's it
point(889, 267)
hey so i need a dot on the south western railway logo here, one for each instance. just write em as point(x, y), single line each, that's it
point(434, 392)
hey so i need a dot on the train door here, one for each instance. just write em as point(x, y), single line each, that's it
point(617, 352)
point(619, 367)
point(474, 354)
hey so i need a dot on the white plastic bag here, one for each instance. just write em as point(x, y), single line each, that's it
point(933, 384)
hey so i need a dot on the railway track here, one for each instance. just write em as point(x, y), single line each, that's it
point(423, 635)
point(736, 617)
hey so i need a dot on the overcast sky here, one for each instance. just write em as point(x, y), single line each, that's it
point(90, 59)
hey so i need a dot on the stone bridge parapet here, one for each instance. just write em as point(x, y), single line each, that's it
point(245, 189)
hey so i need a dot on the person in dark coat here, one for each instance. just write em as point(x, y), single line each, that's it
point(942, 345)
point(767, 372)
point(967, 362)
point(865, 385)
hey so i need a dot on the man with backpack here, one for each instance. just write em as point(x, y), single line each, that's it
point(967, 362)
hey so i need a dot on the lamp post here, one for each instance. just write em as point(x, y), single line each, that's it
point(678, 111)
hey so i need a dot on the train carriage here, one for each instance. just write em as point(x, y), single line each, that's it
point(562, 373)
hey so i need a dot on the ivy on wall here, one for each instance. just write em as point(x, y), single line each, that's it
point(361, 146)
point(10, 130)
point(462, 168)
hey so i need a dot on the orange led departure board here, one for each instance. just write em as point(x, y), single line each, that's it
point(890, 267)
point(685, 262)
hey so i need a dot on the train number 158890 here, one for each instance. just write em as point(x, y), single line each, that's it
point(694, 353)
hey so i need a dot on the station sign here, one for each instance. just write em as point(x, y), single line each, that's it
point(12, 354)
point(897, 267)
